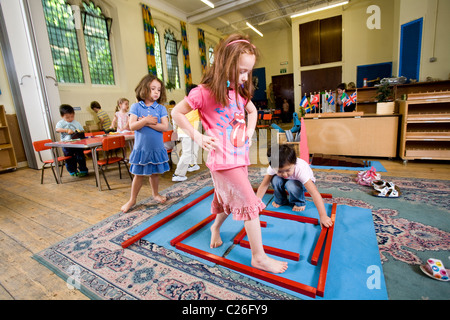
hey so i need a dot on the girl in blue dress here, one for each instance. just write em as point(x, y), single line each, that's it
point(148, 120)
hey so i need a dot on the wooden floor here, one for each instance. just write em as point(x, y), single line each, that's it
point(35, 216)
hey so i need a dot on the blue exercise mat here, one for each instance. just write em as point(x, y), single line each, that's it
point(354, 270)
point(376, 164)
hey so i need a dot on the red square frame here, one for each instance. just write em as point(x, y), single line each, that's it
point(325, 238)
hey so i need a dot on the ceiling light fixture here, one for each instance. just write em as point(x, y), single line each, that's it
point(319, 9)
point(254, 29)
point(208, 3)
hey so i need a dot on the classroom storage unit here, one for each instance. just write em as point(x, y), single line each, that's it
point(7, 155)
point(425, 127)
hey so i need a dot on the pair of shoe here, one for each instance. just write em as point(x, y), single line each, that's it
point(79, 174)
point(385, 189)
point(365, 178)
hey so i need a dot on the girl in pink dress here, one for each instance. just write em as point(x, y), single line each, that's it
point(121, 116)
point(222, 98)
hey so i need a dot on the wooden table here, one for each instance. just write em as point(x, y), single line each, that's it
point(89, 143)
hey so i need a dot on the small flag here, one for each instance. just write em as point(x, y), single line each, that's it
point(330, 100)
point(315, 99)
point(304, 103)
point(351, 99)
point(309, 108)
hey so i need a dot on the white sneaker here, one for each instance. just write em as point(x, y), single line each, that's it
point(192, 168)
point(176, 178)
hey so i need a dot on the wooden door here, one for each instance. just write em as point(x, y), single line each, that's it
point(320, 79)
point(283, 88)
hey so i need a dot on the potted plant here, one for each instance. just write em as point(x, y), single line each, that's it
point(170, 85)
point(384, 98)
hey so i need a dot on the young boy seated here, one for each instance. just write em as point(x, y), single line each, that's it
point(67, 127)
point(288, 173)
point(102, 116)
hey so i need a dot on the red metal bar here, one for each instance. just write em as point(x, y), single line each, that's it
point(163, 221)
point(326, 255)
point(324, 195)
point(319, 246)
point(240, 236)
point(289, 216)
point(259, 274)
point(274, 251)
point(192, 230)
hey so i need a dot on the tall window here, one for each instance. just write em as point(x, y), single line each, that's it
point(172, 58)
point(63, 41)
point(96, 28)
point(65, 45)
point(158, 58)
point(211, 55)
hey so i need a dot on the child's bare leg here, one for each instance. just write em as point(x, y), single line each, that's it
point(154, 182)
point(135, 187)
point(216, 240)
point(259, 258)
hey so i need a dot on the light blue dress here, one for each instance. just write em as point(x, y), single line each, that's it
point(149, 155)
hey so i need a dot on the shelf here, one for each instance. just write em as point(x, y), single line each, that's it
point(428, 117)
point(7, 155)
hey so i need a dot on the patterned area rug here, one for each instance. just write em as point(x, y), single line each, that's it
point(409, 230)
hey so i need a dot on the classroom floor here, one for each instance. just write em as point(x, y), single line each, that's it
point(35, 216)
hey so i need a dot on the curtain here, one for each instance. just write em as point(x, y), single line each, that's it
point(187, 64)
point(202, 49)
point(149, 33)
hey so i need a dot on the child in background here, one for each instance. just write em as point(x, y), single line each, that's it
point(148, 120)
point(221, 99)
point(292, 174)
point(120, 120)
point(102, 116)
point(67, 127)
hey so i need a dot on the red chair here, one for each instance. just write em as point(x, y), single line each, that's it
point(267, 117)
point(167, 137)
point(113, 143)
point(276, 115)
point(91, 134)
point(40, 146)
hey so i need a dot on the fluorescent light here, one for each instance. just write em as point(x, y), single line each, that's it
point(208, 3)
point(254, 29)
point(319, 9)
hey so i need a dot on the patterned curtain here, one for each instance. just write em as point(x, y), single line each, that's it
point(187, 64)
point(202, 48)
point(149, 33)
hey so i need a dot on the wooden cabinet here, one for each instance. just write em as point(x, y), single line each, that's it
point(344, 134)
point(425, 127)
point(7, 156)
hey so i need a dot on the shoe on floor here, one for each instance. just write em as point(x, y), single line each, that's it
point(193, 167)
point(82, 173)
point(176, 178)
point(74, 174)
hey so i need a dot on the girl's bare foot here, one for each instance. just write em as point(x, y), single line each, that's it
point(127, 206)
point(216, 240)
point(161, 199)
point(296, 208)
point(270, 265)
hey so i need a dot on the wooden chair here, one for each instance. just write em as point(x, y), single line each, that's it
point(40, 146)
point(114, 143)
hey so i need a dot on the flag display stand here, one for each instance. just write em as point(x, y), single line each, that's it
point(323, 243)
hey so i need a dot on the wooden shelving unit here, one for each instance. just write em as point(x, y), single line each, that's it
point(7, 155)
point(425, 128)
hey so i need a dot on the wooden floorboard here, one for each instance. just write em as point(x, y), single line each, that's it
point(35, 216)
